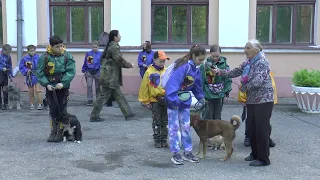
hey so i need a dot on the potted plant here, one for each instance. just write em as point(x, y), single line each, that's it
point(306, 90)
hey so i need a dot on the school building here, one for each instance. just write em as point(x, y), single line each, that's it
point(286, 28)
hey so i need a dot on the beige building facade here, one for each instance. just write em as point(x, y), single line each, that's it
point(287, 30)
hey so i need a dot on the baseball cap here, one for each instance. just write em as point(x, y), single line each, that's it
point(161, 55)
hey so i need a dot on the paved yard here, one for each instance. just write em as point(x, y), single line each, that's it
point(119, 149)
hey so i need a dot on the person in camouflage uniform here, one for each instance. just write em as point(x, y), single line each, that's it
point(215, 88)
point(111, 78)
point(55, 71)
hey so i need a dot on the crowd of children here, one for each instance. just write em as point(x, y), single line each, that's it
point(168, 100)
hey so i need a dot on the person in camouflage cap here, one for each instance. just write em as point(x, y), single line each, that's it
point(111, 78)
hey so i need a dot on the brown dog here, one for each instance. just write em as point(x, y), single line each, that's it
point(210, 128)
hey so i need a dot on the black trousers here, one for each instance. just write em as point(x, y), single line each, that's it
point(159, 122)
point(259, 130)
point(3, 87)
point(213, 109)
point(63, 97)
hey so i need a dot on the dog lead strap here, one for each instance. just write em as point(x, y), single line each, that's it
point(55, 99)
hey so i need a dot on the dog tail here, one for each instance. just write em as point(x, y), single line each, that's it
point(236, 119)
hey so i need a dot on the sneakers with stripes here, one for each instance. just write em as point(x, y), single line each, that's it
point(188, 156)
point(176, 159)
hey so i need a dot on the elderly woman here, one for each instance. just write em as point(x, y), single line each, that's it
point(256, 82)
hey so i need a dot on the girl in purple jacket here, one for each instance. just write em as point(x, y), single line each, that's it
point(185, 77)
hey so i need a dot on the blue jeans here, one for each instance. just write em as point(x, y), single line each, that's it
point(179, 120)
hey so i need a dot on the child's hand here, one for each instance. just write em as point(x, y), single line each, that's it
point(147, 105)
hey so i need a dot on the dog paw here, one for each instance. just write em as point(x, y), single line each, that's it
point(64, 139)
point(77, 141)
point(202, 156)
point(19, 108)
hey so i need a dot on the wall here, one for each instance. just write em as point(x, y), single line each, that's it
point(135, 27)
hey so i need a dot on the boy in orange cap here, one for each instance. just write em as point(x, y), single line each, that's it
point(151, 95)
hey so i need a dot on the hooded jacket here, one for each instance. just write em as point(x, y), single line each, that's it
point(57, 66)
point(185, 78)
point(149, 88)
point(215, 87)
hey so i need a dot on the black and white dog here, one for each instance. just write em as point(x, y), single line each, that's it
point(71, 129)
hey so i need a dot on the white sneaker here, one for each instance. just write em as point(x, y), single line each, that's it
point(39, 107)
point(32, 106)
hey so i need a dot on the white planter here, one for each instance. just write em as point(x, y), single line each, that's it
point(308, 99)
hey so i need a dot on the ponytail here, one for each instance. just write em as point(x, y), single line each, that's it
point(112, 34)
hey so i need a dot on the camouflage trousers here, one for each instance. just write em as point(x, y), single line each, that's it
point(160, 122)
point(104, 96)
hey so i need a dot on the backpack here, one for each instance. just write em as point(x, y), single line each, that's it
point(166, 75)
point(103, 39)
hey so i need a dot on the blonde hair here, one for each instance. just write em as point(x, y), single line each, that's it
point(256, 44)
point(95, 43)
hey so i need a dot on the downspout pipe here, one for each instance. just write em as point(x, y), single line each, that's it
point(19, 31)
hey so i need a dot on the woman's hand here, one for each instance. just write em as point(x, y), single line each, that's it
point(215, 71)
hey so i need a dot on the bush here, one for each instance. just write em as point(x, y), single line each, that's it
point(305, 78)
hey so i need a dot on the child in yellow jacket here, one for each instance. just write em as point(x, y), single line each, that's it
point(151, 95)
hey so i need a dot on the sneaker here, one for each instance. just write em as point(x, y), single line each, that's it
point(157, 144)
point(164, 143)
point(188, 156)
point(31, 106)
point(90, 103)
point(176, 159)
point(39, 107)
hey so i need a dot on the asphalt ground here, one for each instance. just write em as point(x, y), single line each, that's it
point(119, 149)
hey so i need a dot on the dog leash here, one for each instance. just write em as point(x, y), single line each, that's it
point(55, 99)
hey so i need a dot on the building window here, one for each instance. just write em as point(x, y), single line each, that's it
point(1, 26)
point(77, 21)
point(180, 22)
point(285, 22)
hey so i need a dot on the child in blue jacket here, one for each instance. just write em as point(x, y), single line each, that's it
point(185, 77)
point(28, 66)
point(5, 74)
point(91, 68)
point(145, 57)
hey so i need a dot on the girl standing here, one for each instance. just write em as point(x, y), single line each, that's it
point(185, 77)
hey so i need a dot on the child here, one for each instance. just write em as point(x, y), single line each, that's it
point(145, 57)
point(5, 74)
point(28, 66)
point(184, 78)
point(216, 88)
point(91, 68)
point(152, 96)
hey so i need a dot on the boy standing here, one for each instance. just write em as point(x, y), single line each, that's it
point(28, 66)
point(215, 88)
point(91, 69)
point(151, 95)
point(5, 74)
point(56, 69)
